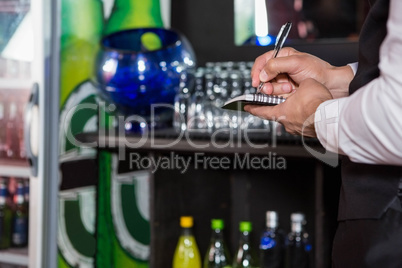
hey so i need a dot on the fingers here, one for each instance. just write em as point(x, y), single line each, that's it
point(266, 112)
point(280, 85)
point(262, 72)
point(274, 88)
point(258, 66)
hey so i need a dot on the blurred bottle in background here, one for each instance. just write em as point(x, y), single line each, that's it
point(217, 255)
point(12, 143)
point(3, 122)
point(19, 237)
point(271, 243)
point(186, 254)
point(5, 216)
point(298, 247)
point(19, 132)
point(245, 255)
point(130, 14)
point(111, 249)
point(26, 193)
point(81, 30)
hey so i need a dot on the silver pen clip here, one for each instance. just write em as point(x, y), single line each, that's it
point(280, 40)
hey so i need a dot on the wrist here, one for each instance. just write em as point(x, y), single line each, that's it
point(338, 79)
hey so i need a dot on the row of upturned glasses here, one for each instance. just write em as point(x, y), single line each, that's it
point(203, 93)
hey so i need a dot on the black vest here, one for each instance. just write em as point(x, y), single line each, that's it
point(368, 190)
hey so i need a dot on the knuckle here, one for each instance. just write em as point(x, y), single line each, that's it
point(271, 65)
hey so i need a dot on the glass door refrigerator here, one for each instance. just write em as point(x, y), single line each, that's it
point(28, 133)
point(15, 84)
point(47, 51)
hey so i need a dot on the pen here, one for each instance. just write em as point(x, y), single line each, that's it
point(280, 40)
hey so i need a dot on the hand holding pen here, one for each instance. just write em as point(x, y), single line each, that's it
point(280, 40)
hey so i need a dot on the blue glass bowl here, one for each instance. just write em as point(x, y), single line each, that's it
point(134, 78)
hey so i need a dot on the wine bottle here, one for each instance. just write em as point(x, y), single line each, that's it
point(271, 243)
point(186, 254)
point(217, 255)
point(245, 256)
point(19, 237)
point(297, 244)
point(5, 217)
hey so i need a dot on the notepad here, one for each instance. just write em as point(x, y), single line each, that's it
point(238, 103)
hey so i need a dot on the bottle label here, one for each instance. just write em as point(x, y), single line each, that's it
point(76, 207)
point(133, 186)
point(267, 243)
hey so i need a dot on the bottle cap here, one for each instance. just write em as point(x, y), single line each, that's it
point(271, 219)
point(297, 217)
point(217, 224)
point(186, 221)
point(245, 226)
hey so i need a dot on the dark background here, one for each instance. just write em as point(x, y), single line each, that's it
point(236, 195)
point(209, 26)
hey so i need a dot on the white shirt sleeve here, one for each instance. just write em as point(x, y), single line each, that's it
point(367, 126)
point(354, 66)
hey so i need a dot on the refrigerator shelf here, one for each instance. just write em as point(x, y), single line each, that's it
point(15, 84)
point(16, 256)
point(7, 170)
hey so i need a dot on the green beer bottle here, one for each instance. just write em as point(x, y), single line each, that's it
point(82, 24)
point(123, 229)
point(81, 30)
point(132, 14)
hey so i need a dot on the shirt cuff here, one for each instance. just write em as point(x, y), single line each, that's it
point(326, 122)
point(354, 67)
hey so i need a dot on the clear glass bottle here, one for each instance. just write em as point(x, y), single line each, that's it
point(5, 217)
point(245, 255)
point(298, 247)
point(186, 254)
point(217, 255)
point(271, 243)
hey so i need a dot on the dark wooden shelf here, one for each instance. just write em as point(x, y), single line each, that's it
point(188, 143)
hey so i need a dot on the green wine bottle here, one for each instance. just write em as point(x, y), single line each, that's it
point(5, 217)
